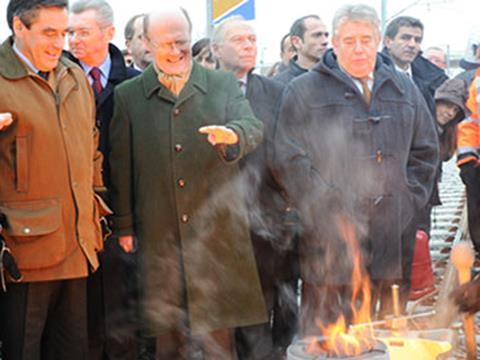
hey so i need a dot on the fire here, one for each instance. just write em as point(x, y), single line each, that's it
point(338, 341)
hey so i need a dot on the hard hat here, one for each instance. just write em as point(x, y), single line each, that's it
point(472, 52)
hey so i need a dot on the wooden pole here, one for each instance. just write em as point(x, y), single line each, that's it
point(462, 258)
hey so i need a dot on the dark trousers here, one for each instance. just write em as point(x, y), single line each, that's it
point(408, 249)
point(176, 345)
point(278, 272)
point(112, 306)
point(473, 212)
point(44, 320)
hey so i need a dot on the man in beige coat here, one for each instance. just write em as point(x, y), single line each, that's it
point(49, 170)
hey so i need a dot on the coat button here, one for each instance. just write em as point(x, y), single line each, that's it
point(181, 183)
point(379, 156)
point(176, 112)
point(178, 148)
point(27, 231)
point(184, 218)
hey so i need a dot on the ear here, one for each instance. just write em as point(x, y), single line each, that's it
point(334, 44)
point(296, 41)
point(110, 33)
point(387, 42)
point(215, 50)
point(18, 26)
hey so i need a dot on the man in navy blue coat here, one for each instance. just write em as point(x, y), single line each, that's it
point(111, 290)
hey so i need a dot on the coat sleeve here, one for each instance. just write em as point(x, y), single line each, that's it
point(292, 166)
point(120, 168)
point(423, 159)
point(240, 118)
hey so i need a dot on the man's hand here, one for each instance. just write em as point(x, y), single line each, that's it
point(469, 173)
point(467, 296)
point(126, 243)
point(5, 120)
point(219, 135)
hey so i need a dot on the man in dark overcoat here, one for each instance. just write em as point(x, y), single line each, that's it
point(235, 48)
point(177, 135)
point(403, 39)
point(111, 290)
point(309, 37)
point(356, 149)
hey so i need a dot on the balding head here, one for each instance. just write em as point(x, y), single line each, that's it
point(167, 14)
point(168, 37)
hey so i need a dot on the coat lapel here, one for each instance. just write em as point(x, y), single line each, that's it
point(197, 82)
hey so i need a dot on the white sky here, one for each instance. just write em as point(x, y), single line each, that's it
point(448, 23)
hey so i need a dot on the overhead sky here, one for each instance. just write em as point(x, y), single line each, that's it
point(448, 23)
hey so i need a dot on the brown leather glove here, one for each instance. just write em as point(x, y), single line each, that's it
point(8, 266)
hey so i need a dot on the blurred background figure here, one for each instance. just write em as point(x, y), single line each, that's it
point(471, 60)
point(437, 56)
point(202, 53)
point(309, 38)
point(127, 57)
point(287, 52)
point(134, 43)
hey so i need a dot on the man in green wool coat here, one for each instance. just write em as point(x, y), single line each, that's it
point(177, 135)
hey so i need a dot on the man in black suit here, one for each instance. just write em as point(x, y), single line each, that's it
point(111, 290)
point(234, 45)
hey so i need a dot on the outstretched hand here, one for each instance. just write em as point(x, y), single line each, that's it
point(219, 135)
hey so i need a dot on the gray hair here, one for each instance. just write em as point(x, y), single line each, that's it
point(219, 33)
point(356, 12)
point(103, 10)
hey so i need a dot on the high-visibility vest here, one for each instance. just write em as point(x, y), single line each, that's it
point(468, 137)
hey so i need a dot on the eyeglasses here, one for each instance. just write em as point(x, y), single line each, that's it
point(178, 44)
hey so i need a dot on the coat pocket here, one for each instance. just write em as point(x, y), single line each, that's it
point(34, 233)
point(21, 163)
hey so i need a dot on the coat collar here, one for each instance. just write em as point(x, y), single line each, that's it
point(197, 80)
point(294, 68)
point(422, 70)
point(384, 71)
point(11, 67)
point(118, 72)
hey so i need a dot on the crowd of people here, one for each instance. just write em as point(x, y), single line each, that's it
point(168, 202)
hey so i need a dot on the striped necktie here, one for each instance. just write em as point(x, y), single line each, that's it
point(97, 80)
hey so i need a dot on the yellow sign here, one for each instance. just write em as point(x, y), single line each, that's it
point(222, 7)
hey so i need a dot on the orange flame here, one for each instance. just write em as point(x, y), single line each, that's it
point(339, 342)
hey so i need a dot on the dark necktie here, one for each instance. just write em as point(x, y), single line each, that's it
point(97, 82)
point(243, 86)
point(43, 75)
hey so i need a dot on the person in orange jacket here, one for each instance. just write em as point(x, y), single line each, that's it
point(468, 160)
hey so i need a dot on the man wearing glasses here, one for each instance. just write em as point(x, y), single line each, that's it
point(111, 320)
point(177, 135)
